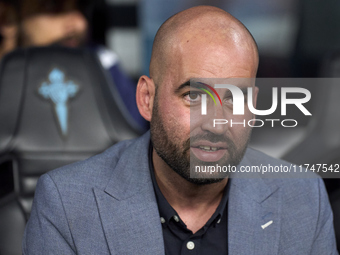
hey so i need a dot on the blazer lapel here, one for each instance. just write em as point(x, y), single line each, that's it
point(128, 207)
point(253, 216)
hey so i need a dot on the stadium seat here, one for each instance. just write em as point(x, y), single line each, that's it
point(57, 106)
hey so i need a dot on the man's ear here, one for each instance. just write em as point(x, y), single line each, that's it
point(145, 95)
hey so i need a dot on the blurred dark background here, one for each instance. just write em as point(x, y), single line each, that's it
point(294, 36)
point(296, 39)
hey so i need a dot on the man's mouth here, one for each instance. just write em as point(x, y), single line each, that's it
point(209, 153)
point(208, 148)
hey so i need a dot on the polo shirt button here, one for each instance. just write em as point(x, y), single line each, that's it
point(190, 245)
point(162, 220)
point(176, 218)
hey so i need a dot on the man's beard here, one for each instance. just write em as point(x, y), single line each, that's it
point(178, 156)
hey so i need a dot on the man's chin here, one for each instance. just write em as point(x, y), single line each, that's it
point(196, 162)
point(205, 181)
point(206, 172)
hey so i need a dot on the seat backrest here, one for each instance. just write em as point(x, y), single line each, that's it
point(57, 106)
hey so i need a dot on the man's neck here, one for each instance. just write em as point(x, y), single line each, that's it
point(195, 204)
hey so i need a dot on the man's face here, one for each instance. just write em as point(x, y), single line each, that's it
point(181, 136)
point(66, 29)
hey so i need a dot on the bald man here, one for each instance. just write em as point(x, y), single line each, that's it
point(139, 196)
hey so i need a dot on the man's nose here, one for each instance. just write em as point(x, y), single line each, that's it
point(215, 112)
point(75, 22)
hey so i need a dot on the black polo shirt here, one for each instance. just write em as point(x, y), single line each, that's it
point(211, 239)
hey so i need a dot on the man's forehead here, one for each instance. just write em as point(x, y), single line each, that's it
point(216, 53)
point(210, 62)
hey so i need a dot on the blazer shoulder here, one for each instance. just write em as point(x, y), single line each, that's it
point(94, 171)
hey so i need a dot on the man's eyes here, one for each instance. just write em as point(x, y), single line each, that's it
point(228, 100)
point(195, 97)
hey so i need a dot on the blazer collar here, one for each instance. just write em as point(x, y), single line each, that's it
point(253, 185)
point(131, 174)
point(128, 208)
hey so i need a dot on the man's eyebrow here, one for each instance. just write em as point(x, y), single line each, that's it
point(188, 84)
point(198, 85)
